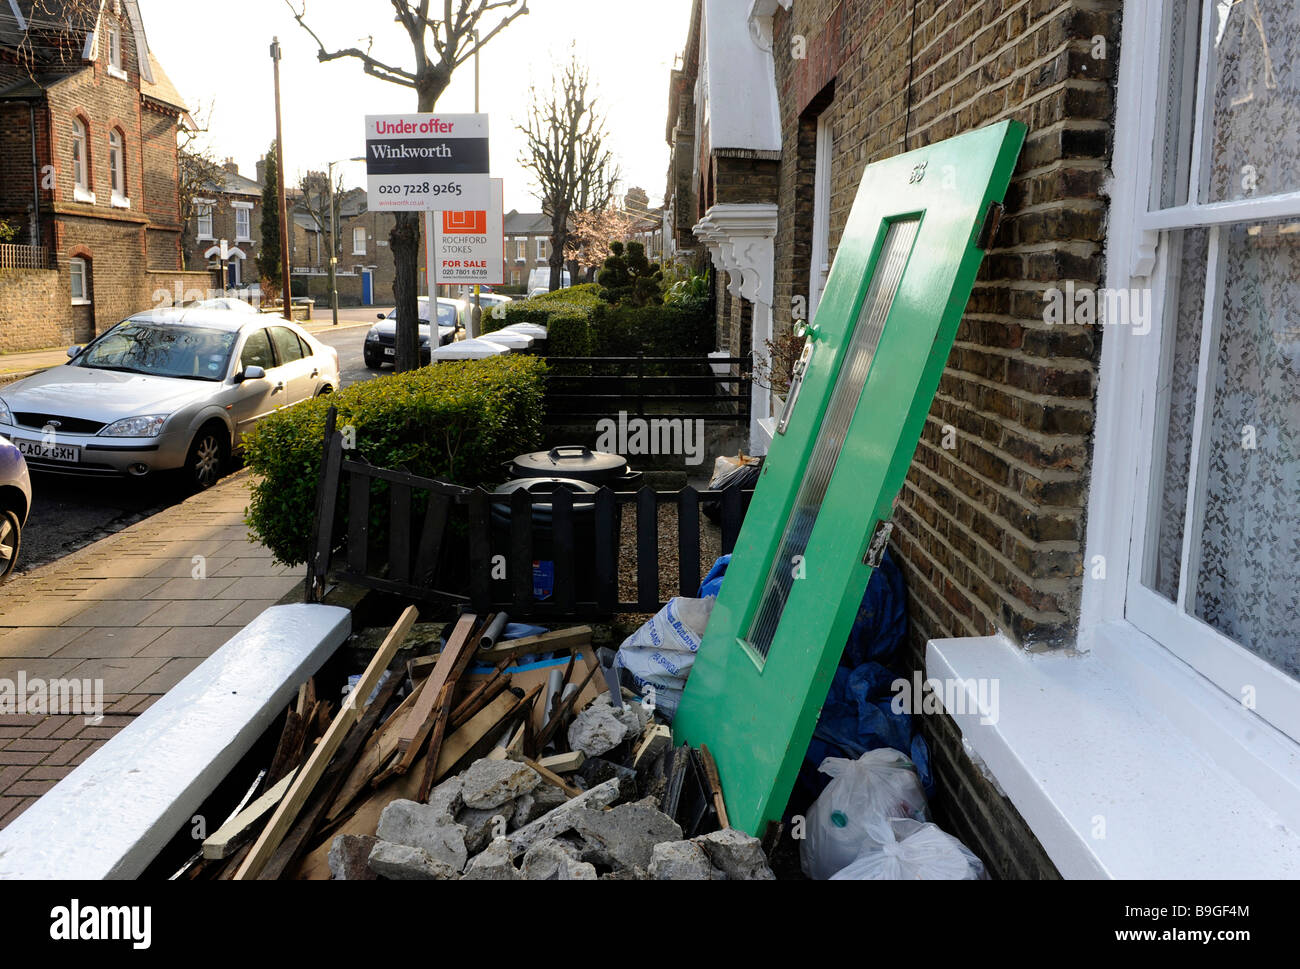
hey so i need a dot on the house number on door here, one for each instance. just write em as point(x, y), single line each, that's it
point(918, 174)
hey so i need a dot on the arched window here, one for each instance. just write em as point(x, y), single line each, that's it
point(80, 156)
point(117, 164)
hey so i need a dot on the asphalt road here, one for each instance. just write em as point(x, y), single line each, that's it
point(69, 513)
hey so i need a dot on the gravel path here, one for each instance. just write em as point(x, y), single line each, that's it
point(710, 550)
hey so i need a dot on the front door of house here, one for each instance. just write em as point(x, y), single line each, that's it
point(902, 276)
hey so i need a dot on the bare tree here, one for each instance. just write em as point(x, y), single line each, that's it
point(590, 235)
point(566, 154)
point(440, 44)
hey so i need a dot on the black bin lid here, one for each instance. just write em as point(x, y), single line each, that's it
point(576, 462)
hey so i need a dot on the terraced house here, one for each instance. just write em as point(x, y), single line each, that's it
point(88, 171)
point(1101, 517)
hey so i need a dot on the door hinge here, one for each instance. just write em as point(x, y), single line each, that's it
point(879, 542)
point(992, 220)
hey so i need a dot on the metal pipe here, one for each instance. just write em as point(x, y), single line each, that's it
point(36, 179)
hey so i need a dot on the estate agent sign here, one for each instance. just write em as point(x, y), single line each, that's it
point(428, 162)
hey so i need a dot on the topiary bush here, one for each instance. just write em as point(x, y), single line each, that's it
point(455, 422)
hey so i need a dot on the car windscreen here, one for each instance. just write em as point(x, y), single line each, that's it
point(190, 352)
point(446, 314)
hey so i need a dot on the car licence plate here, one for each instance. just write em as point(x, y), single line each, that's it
point(49, 452)
point(390, 352)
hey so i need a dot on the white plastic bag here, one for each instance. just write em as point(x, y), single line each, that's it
point(658, 657)
point(854, 810)
point(916, 852)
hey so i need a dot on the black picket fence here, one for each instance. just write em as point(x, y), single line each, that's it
point(588, 388)
point(538, 557)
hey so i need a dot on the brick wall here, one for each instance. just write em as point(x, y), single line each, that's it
point(33, 313)
point(989, 532)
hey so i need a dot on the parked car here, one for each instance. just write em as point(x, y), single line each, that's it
point(165, 390)
point(223, 303)
point(381, 342)
point(15, 503)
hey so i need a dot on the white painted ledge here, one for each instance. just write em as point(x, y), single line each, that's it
point(1125, 762)
point(111, 816)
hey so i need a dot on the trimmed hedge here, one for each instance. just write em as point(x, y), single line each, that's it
point(455, 422)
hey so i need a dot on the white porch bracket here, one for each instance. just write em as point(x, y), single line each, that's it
point(741, 238)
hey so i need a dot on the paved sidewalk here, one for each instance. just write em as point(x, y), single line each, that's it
point(139, 610)
point(12, 364)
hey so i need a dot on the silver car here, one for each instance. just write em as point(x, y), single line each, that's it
point(164, 390)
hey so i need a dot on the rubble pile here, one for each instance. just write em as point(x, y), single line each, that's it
point(486, 759)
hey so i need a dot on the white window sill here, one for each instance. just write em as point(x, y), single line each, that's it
point(119, 202)
point(206, 239)
point(82, 302)
point(118, 73)
point(80, 194)
point(1125, 762)
point(239, 239)
point(355, 253)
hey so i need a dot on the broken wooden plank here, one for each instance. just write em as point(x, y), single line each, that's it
point(550, 776)
point(224, 841)
point(421, 715)
point(377, 753)
point(287, 810)
point(443, 717)
point(715, 785)
point(558, 640)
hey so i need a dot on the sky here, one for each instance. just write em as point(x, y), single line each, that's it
point(219, 56)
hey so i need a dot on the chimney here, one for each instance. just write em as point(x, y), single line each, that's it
point(231, 167)
point(261, 170)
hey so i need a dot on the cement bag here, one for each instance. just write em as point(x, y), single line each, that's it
point(915, 852)
point(854, 811)
point(656, 659)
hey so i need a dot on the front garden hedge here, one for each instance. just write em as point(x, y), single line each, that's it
point(455, 422)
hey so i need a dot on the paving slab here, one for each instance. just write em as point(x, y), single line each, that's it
point(129, 613)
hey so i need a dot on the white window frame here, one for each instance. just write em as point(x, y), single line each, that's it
point(521, 250)
point(1138, 255)
point(115, 68)
point(117, 169)
point(78, 268)
point(359, 232)
point(203, 211)
point(541, 249)
point(244, 215)
point(81, 162)
point(820, 267)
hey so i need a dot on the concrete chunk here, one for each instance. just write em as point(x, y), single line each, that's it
point(737, 854)
point(596, 731)
point(349, 858)
point(405, 863)
point(682, 861)
point(423, 826)
point(552, 860)
point(446, 797)
point(494, 864)
point(560, 819)
point(488, 784)
point(625, 836)
point(482, 826)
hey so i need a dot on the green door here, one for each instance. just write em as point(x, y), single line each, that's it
point(902, 277)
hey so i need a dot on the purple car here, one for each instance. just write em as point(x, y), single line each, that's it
point(15, 502)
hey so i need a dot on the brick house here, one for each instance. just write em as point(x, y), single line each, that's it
point(231, 209)
point(88, 125)
point(528, 245)
point(1100, 518)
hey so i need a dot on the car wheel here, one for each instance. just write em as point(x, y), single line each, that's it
point(373, 362)
point(207, 459)
point(11, 540)
point(325, 391)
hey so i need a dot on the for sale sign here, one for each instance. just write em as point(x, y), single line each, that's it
point(469, 248)
point(427, 162)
